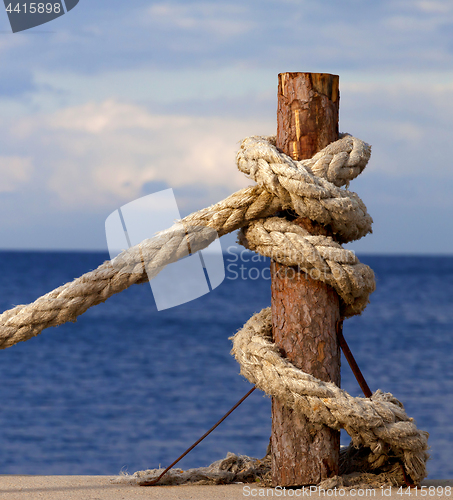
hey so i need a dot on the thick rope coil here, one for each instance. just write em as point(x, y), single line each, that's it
point(379, 423)
point(319, 256)
point(340, 161)
point(311, 188)
point(298, 189)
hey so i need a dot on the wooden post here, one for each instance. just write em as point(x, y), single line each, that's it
point(305, 311)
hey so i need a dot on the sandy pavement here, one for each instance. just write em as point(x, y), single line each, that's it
point(21, 487)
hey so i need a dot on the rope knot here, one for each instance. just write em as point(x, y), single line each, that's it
point(311, 188)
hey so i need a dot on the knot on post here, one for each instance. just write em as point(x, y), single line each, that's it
point(299, 189)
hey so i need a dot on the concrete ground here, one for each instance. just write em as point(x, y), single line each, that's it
point(18, 487)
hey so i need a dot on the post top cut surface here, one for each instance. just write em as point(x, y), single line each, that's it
point(322, 83)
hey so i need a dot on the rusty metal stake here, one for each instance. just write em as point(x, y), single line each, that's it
point(363, 385)
point(357, 373)
point(155, 481)
point(352, 362)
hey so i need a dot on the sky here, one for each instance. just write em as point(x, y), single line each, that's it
point(117, 100)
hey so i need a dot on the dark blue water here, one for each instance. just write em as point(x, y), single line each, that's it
point(128, 388)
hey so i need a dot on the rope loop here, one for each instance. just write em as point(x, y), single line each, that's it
point(318, 256)
point(311, 187)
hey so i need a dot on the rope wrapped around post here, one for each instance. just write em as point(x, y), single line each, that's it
point(378, 423)
point(311, 188)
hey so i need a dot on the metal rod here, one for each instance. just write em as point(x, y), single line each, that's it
point(407, 478)
point(363, 385)
point(352, 362)
point(357, 373)
point(155, 481)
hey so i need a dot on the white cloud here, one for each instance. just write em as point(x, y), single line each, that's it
point(99, 154)
point(93, 155)
point(408, 124)
point(91, 158)
point(11, 43)
point(436, 7)
point(57, 89)
point(411, 23)
point(104, 117)
point(76, 103)
point(14, 172)
point(218, 19)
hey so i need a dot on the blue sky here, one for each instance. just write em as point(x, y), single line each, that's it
point(116, 100)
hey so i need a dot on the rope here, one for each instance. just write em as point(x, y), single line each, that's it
point(310, 188)
point(69, 301)
point(378, 423)
point(299, 189)
point(319, 256)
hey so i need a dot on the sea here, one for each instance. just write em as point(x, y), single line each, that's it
point(128, 387)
